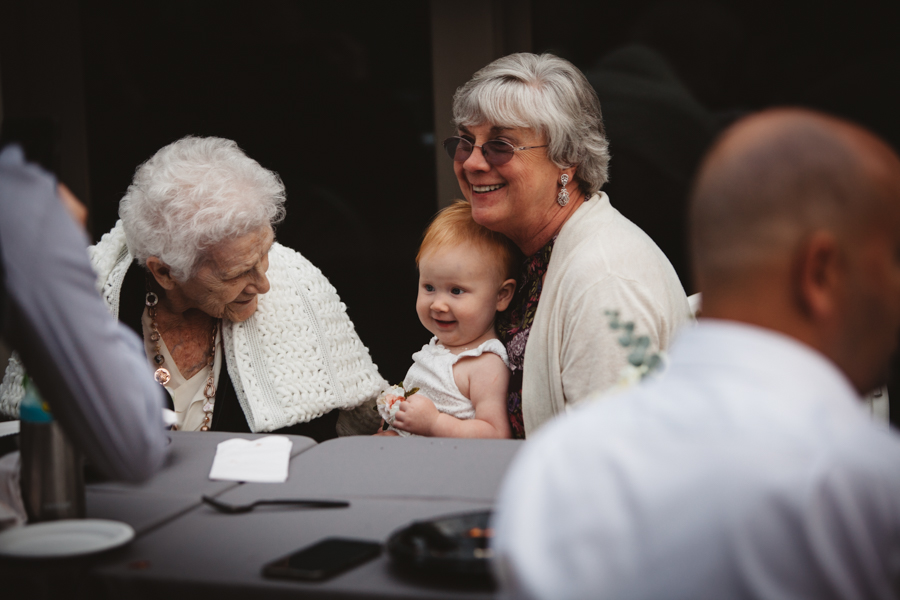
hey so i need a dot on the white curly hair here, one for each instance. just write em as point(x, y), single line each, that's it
point(193, 194)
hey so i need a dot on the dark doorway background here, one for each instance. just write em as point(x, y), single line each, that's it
point(670, 74)
point(327, 94)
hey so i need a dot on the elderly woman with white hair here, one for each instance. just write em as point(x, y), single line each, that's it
point(531, 156)
point(244, 334)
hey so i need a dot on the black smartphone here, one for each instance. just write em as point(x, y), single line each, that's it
point(323, 559)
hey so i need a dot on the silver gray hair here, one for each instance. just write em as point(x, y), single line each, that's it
point(547, 94)
point(193, 194)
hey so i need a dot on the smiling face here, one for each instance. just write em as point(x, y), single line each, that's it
point(514, 199)
point(228, 283)
point(461, 288)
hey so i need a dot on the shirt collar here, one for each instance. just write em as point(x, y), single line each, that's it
point(765, 353)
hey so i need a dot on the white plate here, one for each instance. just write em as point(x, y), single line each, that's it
point(69, 537)
point(9, 428)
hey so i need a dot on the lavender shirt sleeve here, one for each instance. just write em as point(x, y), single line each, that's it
point(89, 368)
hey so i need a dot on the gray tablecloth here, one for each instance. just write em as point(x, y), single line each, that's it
point(390, 482)
point(206, 554)
point(175, 489)
point(184, 549)
point(390, 467)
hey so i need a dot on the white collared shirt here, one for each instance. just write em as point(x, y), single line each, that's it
point(749, 469)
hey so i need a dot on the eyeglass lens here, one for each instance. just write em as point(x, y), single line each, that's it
point(496, 152)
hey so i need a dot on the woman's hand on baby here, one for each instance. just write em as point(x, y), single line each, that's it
point(417, 415)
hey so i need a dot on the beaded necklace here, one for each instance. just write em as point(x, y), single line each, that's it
point(162, 374)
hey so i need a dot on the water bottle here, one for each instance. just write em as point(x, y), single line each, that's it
point(51, 477)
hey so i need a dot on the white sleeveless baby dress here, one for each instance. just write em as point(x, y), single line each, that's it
point(432, 373)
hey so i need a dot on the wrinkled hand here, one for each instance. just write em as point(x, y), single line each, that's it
point(417, 415)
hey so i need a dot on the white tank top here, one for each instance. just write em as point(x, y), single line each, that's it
point(432, 373)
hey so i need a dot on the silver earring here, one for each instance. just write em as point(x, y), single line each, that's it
point(563, 198)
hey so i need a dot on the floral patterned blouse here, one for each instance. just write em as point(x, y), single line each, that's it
point(514, 325)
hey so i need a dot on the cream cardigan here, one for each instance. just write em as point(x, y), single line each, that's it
point(295, 359)
point(601, 261)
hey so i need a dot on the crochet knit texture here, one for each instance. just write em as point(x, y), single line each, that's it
point(295, 359)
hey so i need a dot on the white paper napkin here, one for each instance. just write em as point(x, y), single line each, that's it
point(263, 460)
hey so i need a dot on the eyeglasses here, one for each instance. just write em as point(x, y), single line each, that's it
point(495, 152)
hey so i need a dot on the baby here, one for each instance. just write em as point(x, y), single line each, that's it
point(461, 376)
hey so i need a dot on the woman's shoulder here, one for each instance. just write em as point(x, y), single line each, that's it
point(298, 283)
point(109, 253)
point(598, 227)
point(286, 262)
point(302, 310)
point(616, 260)
point(110, 245)
point(604, 243)
point(281, 256)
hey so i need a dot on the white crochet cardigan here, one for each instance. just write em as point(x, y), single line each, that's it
point(295, 359)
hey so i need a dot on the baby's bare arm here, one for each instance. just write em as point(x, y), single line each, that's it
point(483, 379)
point(488, 381)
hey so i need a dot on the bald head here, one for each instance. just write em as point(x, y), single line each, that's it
point(774, 177)
point(795, 226)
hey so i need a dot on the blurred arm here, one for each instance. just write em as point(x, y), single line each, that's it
point(89, 368)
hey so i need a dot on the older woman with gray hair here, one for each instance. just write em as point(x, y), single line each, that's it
point(244, 334)
point(595, 293)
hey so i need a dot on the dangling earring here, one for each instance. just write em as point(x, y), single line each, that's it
point(563, 197)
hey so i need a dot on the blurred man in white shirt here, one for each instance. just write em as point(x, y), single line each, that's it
point(749, 468)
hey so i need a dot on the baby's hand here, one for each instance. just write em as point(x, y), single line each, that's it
point(417, 415)
point(383, 431)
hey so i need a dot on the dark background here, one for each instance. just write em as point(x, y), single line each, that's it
point(325, 94)
point(336, 97)
point(712, 61)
